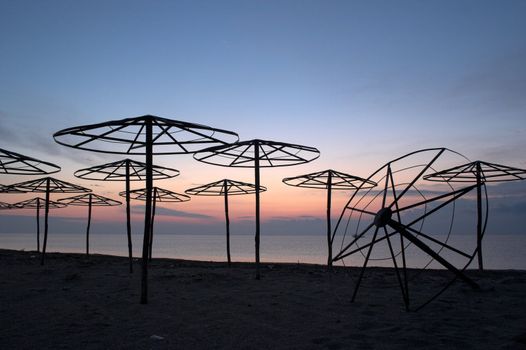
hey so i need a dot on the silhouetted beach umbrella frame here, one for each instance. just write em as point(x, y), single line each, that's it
point(17, 164)
point(479, 172)
point(145, 135)
point(125, 170)
point(405, 217)
point(4, 206)
point(329, 180)
point(49, 185)
point(225, 188)
point(10, 189)
point(159, 195)
point(258, 154)
point(90, 200)
point(37, 203)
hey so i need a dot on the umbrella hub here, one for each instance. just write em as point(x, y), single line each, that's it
point(383, 216)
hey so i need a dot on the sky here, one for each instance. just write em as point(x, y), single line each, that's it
point(362, 81)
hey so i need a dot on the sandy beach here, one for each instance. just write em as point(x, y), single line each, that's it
point(78, 303)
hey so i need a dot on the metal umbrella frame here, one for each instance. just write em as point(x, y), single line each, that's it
point(4, 205)
point(125, 170)
point(48, 185)
point(399, 208)
point(225, 188)
point(479, 172)
point(18, 164)
point(89, 200)
point(258, 154)
point(145, 135)
point(329, 180)
point(10, 189)
point(159, 195)
point(37, 203)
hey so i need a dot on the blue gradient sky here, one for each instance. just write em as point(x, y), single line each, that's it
point(363, 81)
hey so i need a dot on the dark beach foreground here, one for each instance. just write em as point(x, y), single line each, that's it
point(78, 303)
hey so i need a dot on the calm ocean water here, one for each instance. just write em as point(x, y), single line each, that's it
point(500, 251)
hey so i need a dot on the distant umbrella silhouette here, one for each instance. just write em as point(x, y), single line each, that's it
point(12, 163)
point(37, 203)
point(89, 200)
point(125, 170)
point(257, 154)
point(145, 135)
point(479, 172)
point(225, 188)
point(159, 195)
point(329, 180)
point(4, 206)
point(18, 164)
point(49, 185)
point(9, 189)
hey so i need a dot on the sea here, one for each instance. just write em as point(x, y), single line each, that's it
point(500, 252)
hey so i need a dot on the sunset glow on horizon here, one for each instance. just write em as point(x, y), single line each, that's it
point(353, 79)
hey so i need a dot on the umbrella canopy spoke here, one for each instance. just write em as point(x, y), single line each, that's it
point(164, 131)
point(104, 135)
point(134, 142)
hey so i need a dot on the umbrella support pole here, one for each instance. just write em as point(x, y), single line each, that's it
point(227, 221)
point(88, 227)
point(46, 216)
point(128, 217)
point(147, 212)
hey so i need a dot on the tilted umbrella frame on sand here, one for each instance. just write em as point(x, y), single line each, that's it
point(404, 215)
point(145, 135)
